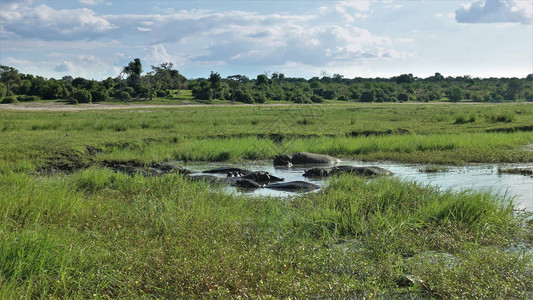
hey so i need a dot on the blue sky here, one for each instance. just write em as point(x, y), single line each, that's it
point(367, 38)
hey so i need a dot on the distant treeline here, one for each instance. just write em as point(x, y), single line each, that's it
point(130, 85)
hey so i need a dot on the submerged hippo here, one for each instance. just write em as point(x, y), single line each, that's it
point(303, 158)
point(261, 177)
point(247, 183)
point(293, 186)
point(365, 171)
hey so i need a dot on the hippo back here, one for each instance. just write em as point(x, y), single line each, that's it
point(302, 158)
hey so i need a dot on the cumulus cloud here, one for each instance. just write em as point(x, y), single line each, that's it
point(157, 54)
point(44, 22)
point(63, 67)
point(204, 38)
point(496, 11)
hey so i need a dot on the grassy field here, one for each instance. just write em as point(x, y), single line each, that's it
point(89, 232)
point(432, 133)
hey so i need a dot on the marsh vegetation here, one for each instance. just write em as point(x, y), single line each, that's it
point(70, 227)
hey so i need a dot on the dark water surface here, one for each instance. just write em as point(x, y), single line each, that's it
point(481, 177)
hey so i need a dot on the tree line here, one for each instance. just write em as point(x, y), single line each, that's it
point(131, 84)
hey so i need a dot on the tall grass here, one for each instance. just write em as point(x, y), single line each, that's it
point(357, 207)
point(100, 234)
point(439, 148)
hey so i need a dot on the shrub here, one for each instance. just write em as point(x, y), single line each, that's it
point(10, 99)
point(124, 96)
point(259, 97)
point(82, 96)
point(243, 96)
point(99, 94)
point(367, 96)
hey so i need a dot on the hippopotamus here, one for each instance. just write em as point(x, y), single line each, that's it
point(304, 158)
point(293, 186)
point(261, 177)
point(227, 170)
point(365, 171)
point(246, 183)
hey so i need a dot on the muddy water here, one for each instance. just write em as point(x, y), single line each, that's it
point(481, 177)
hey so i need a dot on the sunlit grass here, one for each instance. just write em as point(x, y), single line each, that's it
point(102, 233)
point(96, 233)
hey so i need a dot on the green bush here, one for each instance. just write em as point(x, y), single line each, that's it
point(10, 99)
point(124, 96)
point(100, 94)
point(403, 97)
point(82, 96)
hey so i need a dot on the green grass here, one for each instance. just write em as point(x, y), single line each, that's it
point(94, 233)
point(409, 133)
point(103, 234)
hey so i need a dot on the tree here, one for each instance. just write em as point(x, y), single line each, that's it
point(514, 89)
point(404, 78)
point(82, 96)
point(403, 97)
point(456, 94)
point(159, 75)
point(108, 83)
point(99, 93)
point(9, 76)
point(134, 67)
point(278, 77)
point(368, 96)
point(133, 70)
point(203, 90)
point(262, 79)
point(215, 82)
point(54, 89)
point(337, 78)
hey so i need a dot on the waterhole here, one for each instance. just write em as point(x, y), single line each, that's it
point(479, 177)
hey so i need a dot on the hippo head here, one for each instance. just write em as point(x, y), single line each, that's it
point(283, 160)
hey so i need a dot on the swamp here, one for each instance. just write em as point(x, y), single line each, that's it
point(453, 221)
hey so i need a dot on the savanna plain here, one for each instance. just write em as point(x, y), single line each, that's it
point(70, 227)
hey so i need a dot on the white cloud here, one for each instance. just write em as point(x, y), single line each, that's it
point(362, 5)
point(44, 22)
point(496, 11)
point(319, 38)
point(93, 2)
point(143, 29)
point(157, 54)
point(64, 67)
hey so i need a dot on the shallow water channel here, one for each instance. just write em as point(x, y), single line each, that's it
point(481, 177)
